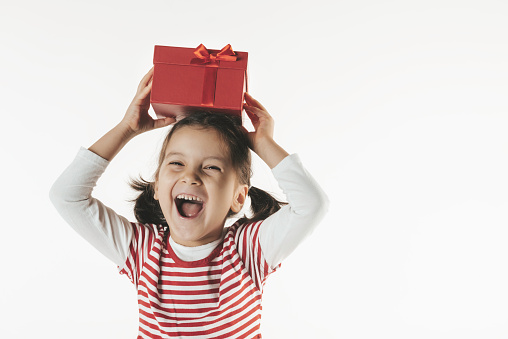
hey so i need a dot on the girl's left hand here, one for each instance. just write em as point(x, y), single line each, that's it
point(262, 138)
point(262, 121)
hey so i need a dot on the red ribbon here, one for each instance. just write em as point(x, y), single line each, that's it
point(211, 60)
point(225, 54)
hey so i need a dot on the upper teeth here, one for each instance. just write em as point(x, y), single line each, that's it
point(188, 197)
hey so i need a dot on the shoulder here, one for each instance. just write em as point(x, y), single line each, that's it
point(143, 231)
point(241, 230)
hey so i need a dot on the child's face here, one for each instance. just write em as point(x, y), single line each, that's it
point(197, 166)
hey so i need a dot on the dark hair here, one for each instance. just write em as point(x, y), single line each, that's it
point(147, 210)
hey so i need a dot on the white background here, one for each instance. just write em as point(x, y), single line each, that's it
point(398, 108)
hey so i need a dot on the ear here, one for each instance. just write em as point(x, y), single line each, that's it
point(156, 190)
point(239, 198)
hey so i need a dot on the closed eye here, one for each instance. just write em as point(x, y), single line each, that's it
point(176, 163)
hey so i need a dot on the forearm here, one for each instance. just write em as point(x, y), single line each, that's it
point(107, 231)
point(271, 152)
point(284, 230)
point(108, 146)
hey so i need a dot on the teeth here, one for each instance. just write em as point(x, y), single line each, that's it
point(188, 197)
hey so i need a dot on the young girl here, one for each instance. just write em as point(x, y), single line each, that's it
point(194, 277)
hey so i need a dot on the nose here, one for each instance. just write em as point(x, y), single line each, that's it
point(190, 177)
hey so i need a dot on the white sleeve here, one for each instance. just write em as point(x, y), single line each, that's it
point(284, 230)
point(107, 231)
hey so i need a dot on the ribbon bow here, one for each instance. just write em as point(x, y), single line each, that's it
point(225, 54)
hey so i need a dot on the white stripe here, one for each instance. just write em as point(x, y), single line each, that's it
point(188, 287)
point(176, 297)
point(183, 278)
point(178, 269)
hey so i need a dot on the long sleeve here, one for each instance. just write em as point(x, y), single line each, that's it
point(284, 230)
point(71, 194)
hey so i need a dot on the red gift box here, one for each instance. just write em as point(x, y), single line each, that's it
point(188, 79)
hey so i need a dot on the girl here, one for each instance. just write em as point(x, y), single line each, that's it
point(194, 277)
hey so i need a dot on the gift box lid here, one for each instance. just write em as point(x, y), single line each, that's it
point(185, 56)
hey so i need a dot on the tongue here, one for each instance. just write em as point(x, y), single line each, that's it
point(190, 209)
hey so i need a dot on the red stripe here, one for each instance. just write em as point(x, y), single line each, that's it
point(188, 283)
point(203, 265)
point(188, 292)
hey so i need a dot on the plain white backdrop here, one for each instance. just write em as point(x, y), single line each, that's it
point(398, 108)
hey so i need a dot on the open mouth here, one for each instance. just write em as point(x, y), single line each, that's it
point(188, 206)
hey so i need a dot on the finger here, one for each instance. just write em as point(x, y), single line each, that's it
point(253, 102)
point(163, 122)
point(253, 117)
point(146, 79)
point(260, 113)
point(145, 91)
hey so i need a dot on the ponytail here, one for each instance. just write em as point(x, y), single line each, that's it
point(146, 209)
point(262, 204)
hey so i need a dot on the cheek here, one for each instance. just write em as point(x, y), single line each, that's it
point(163, 190)
point(227, 192)
point(165, 202)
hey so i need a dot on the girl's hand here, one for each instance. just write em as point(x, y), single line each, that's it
point(137, 118)
point(262, 121)
point(262, 138)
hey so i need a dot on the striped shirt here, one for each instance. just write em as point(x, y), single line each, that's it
point(216, 297)
point(208, 291)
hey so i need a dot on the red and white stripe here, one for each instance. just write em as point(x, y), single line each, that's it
point(217, 297)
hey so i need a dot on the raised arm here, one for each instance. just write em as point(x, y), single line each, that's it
point(71, 194)
point(283, 231)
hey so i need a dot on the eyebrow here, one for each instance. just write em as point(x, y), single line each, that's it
point(206, 158)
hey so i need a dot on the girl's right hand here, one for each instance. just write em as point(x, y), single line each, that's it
point(137, 119)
